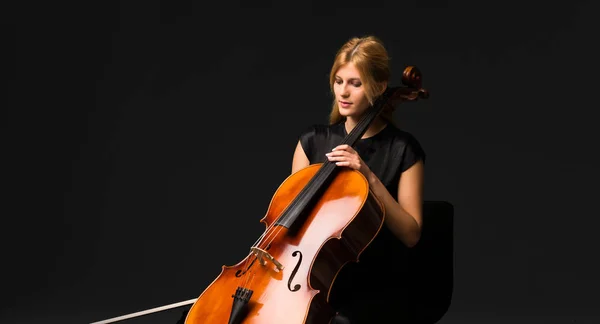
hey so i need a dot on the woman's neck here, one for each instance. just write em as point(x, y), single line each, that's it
point(376, 126)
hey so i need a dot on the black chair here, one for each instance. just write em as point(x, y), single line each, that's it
point(432, 264)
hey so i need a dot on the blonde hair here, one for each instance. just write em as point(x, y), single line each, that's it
point(370, 58)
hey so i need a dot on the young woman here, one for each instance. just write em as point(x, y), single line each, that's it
point(392, 160)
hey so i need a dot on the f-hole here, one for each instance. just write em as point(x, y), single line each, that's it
point(297, 286)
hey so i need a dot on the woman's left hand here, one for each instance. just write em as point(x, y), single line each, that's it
point(345, 155)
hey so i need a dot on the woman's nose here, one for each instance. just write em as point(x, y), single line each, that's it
point(345, 92)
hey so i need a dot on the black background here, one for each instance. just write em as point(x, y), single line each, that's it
point(144, 140)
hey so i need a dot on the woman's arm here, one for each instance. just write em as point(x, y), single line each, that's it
point(405, 216)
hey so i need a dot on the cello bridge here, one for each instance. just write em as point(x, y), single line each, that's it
point(262, 254)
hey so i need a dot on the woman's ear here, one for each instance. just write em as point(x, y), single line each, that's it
point(382, 87)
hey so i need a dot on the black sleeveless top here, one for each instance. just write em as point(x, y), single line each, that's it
point(365, 287)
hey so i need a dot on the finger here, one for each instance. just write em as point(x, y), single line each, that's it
point(338, 158)
point(348, 149)
point(348, 164)
point(338, 153)
point(341, 147)
point(343, 163)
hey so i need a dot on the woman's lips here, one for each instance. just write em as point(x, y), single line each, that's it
point(345, 104)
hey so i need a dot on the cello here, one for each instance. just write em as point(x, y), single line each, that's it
point(319, 219)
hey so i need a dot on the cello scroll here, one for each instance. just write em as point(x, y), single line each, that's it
point(412, 90)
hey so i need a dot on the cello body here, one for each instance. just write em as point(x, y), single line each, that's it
point(344, 220)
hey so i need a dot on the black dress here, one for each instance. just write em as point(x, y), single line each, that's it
point(374, 289)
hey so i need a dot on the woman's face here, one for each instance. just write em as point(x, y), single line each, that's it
point(350, 92)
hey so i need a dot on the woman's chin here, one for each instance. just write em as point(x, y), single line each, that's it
point(346, 112)
point(349, 114)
